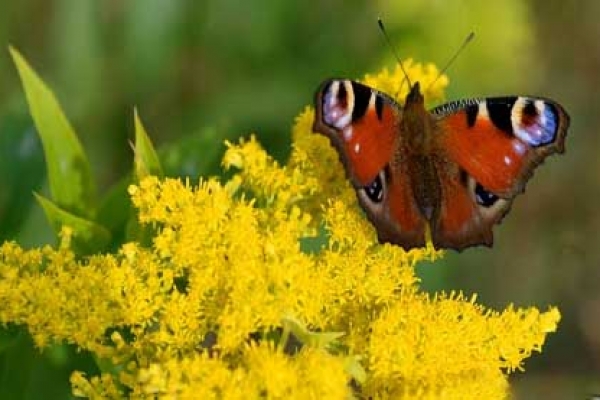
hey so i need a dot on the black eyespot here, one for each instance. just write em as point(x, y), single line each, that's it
point(484, 197)
point(374, 190)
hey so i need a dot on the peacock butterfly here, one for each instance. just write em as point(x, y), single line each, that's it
point(455, 169)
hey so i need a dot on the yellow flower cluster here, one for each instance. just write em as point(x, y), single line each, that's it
point(396, 85)
point(201, 312)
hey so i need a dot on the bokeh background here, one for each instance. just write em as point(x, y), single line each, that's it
point(201, 72)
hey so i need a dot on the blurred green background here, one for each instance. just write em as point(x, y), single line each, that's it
point(201, 72)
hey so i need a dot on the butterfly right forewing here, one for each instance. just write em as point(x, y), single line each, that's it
point(492, 146)
point(499, 141)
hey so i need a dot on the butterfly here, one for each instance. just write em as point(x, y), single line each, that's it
point(453, 170)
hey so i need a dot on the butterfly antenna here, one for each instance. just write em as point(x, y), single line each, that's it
point(467, 40)
point(389, 42)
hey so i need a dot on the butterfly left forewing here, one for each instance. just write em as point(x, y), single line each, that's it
point(362, 124)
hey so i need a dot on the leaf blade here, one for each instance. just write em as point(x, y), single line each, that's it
point(88, 236)
point(146, 161)
point(69, 173)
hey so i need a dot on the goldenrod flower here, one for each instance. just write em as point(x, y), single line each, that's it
point(199, 312)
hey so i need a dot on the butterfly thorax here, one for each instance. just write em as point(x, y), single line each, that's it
point(416, 124)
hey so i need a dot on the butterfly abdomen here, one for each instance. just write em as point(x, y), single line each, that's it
point(425, 185)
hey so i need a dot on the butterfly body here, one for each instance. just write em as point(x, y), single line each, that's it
point(455, 168)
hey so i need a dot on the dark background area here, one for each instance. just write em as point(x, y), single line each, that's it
point(201, 72)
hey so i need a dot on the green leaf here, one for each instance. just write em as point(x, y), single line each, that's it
point(22, 170)
point(115, 209)
point(17, 369)
point(196, 154)
point(69, 175)
point(318, 340)
point(8, 337)
point(118, 215)
point(355, 369)
point(28, 373)
point(145, 159)
point(88, 236)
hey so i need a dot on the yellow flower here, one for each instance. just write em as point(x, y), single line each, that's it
point(199, 312)
point(394, 84)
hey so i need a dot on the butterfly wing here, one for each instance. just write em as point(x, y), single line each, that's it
point(362, 124)
point(490, 148)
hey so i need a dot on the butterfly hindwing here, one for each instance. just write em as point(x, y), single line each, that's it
point(396, 216)
point(467, 213)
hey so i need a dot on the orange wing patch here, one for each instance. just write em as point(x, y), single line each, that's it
point(410, 224)
point(460, 223)
point(492, 157)
point(369, 141)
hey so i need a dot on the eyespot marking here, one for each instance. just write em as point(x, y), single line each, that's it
point(337, 104)
point(483, 197)
point(375, 189)
point(535, 122)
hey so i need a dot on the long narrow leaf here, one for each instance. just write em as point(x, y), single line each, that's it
point(146, 160)
point(88, 236)
point(69, 175)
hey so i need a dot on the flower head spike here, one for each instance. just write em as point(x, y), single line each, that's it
point(235, 269)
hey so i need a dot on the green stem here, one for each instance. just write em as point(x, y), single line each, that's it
point(285, 335)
